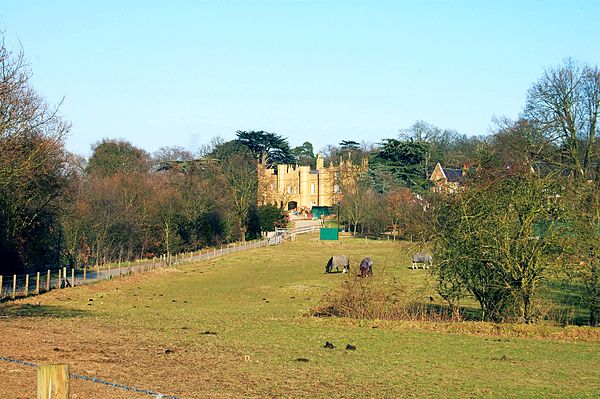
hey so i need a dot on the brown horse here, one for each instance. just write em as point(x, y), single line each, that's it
point(366, 267)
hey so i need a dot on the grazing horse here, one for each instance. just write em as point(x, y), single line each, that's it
point(421, 258)
point(338, 261)
point(366, 267)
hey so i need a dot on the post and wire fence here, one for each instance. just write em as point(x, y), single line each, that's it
point(20, 286)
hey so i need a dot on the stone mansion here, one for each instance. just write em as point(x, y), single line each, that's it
point(296, 187)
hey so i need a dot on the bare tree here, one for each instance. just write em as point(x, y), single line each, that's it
point(564, 104)
point(241, 174)
point(31, 167)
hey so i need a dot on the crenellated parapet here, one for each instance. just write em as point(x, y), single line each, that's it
point(293, 186)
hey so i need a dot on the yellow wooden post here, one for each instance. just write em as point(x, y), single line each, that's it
point(53, 381)
point(14, 290)
point(1, 286)
point(27, 284)
point(84, 275)
point(37, 283)
point(48, 281)
point(59, 278)
point(65, 276)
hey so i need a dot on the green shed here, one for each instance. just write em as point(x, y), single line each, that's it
point(318, 211)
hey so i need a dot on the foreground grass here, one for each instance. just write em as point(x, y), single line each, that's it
point(236, 327)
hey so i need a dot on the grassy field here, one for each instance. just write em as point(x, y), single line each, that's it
point(237, 326)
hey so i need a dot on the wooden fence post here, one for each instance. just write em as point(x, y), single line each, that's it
point(14, 290)
point(53, 381)
point(48, 281)
point(84, 274)
point(73, 277)
point(65, 276)
point(27, 284)
point(37, 283)
point(59, 280)
point(1, 286)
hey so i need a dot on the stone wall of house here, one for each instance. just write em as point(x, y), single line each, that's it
point(293, 186)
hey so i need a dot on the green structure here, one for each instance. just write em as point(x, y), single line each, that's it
point(318, 211)
point(329, 233)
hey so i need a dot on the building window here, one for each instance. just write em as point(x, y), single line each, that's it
point(312, 188)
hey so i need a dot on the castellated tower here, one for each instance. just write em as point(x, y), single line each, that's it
point(295, 187)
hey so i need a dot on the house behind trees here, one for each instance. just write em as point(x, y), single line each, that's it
point(446, 180)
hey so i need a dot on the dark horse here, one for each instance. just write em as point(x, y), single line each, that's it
point(366, 267)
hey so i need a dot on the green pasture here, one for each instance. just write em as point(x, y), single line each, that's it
point(266, 346)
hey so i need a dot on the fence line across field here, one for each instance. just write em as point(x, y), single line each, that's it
point(95, 380)
point(24, 285)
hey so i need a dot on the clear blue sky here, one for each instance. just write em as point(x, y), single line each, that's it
point(162, 73)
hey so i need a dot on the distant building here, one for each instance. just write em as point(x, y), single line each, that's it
point(446, 180)
point(296, 187)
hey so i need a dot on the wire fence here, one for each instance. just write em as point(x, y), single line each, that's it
point(95, 380)
point(19, 286)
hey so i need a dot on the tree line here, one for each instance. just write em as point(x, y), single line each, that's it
point(57, 208)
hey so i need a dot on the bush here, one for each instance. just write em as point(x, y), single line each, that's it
point(377, 297)
point(270, 216)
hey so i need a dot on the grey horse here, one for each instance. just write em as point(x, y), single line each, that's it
point(421, 258)
point(338, 261)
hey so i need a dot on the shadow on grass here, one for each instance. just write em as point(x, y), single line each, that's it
point(29, 310)
point(569, 303)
